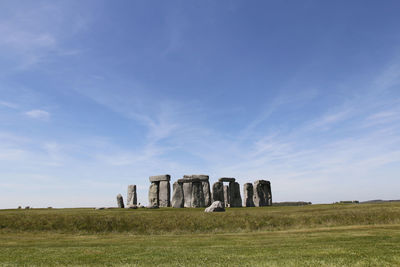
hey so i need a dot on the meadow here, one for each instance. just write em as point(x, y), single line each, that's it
point(327, 235)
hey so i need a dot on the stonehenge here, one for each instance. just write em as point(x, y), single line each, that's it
point(216, 206)
point(193, 191)
point(160, 191)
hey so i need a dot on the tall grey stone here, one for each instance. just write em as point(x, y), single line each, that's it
point(164, 194)
point(120, 201)
point(261, 193)
point(248, 194)
point(187, 194)
point(197, 195)
point(153, 194)
point(226, 196)
point(269, 194)
point(235, 200)
point(206, 192)
point(177, 195)
point(131, 198)
point(218, 192)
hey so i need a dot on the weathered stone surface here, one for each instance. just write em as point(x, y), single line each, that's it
point(218, 192)
point(197, 195)
point(187, 194)
point(177, 195)
point(189, 180)
point(216, 206)
point(131, 206)
point(248, 194)
point(226, 179)
point(153, 194)
point(152, 207)
point(269, 194)
point(207, 193)
point(261, 193)
point(120, 201)
point(164, 194)
point(100, 208)
point(131, 198)
point(226, 196)
point(235, 200)
point(202, 177)
point(158, 178)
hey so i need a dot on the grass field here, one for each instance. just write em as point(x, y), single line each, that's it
point(327, 235)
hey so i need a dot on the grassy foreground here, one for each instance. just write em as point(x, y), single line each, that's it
point(327, 235)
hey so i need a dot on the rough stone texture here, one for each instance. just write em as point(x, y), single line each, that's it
point(189, 180)
point(226, 196)
point(202, 177)
point(248, 194)
point(100, 208)
point(226, 179)
point(269, 194)
point(120, 201)
point(153, 194)
point(197, 195)
point(216, 206)
point(158, 178)
point(177, 195)
point(187, 194)
point(260, 193)
point(164, 194)
point(206, 192)
point(131, 206)
point(218, 192)
point(131, 198)
point(235, 200)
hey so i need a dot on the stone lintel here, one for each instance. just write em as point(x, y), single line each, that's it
point(189, 180)
point(226, 179)
point(202, 177)
point(262, 182)
point(158, 178)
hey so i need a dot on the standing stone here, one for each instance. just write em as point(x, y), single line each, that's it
point(206, 192)
point(218, 192)
point(120, 201)
point(177, 195)
point(248, 194)
point(153, 194)
point(197, 195)
point(234, 195)
point(269, 194)
point(260, 193)
point(164, 194)
point(226, 196)
point(131, 198)
point(187, 194)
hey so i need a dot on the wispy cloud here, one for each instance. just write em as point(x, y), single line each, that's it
point(38, 114)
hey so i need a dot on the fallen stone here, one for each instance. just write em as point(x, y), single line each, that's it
point(248, 194)
point(216, 206)
point(153, 194)
point(131, 206)
point(235, 200)
point(177, 195)
point(131, 198)
point(226, 179)
point(100, 208)
point(120, 201)
point(164, 194)
point(158, 178)
point(153, 207)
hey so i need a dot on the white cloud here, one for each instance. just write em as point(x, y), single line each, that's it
point(8, 105)
point(38, 114)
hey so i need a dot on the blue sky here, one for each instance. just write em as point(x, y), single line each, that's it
point(96, 95)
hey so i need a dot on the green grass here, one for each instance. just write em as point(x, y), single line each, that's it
point(327, 235)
